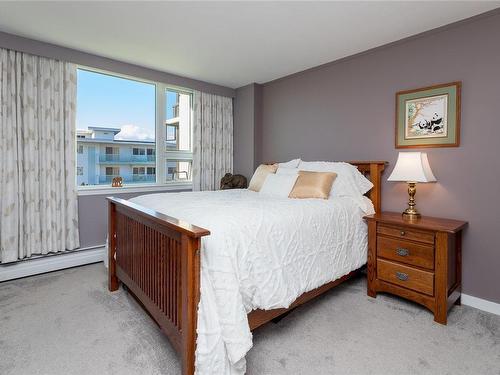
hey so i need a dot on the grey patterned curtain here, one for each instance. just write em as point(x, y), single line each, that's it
point(38, 199)
point(212, 140)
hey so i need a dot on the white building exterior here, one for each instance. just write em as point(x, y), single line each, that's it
point(100, 158)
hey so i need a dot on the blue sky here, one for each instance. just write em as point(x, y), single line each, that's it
point(109, 101)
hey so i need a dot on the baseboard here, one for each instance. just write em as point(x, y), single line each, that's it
point(51, 263)
point(481, 304)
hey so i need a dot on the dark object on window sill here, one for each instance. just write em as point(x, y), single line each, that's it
point(117, 182)
point(230, 181)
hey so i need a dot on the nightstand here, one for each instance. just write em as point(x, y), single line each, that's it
point(420, 260)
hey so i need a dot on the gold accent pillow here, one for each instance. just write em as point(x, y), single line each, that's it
point(260, 175)
point(313, 185)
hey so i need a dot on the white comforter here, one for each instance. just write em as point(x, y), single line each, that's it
point(262, 253)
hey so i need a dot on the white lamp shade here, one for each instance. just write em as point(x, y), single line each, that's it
point(412, 167)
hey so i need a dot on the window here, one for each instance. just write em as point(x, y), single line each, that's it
point(178, 123)
point(178, 135)
point(136, 139)
point(139, 170)
point(110, 173)
point(112, 150)
point(178, 170)
point(172, 130)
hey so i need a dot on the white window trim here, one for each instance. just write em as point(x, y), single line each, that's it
point(160, 140)
point(161, 134)
point(131, 188)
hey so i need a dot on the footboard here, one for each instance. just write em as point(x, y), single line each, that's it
point(157, 258)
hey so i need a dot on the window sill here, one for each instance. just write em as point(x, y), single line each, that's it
point(105, 190)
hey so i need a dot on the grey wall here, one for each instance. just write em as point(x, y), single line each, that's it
point(345, 111)
point(93, 217)
point(243, 131)
point(247, 128)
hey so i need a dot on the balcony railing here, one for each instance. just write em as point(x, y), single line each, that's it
point(144, 178)
point(109, 157)
point(117, 158)
point(136, 178)
point(143, 158)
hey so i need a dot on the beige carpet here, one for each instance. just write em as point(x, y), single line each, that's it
point(67, 323)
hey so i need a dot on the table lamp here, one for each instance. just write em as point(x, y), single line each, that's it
point(412, 167)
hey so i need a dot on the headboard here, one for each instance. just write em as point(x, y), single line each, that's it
point(372, 170)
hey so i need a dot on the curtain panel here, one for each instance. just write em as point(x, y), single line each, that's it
point(38, 198)
point(212, 140)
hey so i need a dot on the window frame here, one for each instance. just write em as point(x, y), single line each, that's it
point(138, 169)
point(178, 155)
point(113, 170)
point(160, 140)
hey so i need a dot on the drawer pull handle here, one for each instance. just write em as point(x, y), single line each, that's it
point(402, 252)
point(403, 232)
point(402, 276)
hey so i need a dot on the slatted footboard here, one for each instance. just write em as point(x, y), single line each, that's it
point(157, 258)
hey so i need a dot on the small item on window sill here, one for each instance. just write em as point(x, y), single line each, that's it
point(117, 182)
point(233, 181)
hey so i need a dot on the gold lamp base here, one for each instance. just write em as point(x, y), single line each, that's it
point(411, 213)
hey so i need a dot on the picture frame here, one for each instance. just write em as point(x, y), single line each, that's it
point(428, 116)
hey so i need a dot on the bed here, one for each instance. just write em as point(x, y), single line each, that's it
point(263, 258)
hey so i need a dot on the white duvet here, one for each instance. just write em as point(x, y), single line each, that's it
point(263, 252)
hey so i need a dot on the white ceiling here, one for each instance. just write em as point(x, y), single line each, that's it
point(229, 43)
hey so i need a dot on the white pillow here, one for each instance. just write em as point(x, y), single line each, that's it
point(278, 185)
point(283, 170)
point(364, 184)
point(349, 181)
point(290, 164)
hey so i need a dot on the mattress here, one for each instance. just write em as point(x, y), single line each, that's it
point(263, 252)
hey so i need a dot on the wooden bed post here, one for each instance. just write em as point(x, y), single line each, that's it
point(113, 282)
point(371, 273)
point(375, 194)
point(190, 297)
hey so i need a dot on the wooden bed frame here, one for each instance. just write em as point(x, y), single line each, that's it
point(158, 258)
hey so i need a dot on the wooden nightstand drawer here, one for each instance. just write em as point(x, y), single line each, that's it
point(408, 277)
point(405, 252)
point(409, 234)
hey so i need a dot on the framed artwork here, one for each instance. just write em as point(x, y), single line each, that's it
point(429, 116)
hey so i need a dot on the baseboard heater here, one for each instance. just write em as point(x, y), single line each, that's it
point(52, 262)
